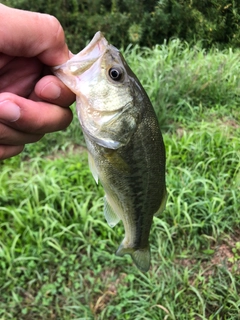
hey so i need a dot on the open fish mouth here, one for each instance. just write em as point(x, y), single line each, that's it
point(82, 61)
point(95, 48)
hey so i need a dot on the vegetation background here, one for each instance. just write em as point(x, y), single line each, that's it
point(213, 22)
point(56, 251)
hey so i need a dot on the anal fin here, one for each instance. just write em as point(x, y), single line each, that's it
point(141, 257)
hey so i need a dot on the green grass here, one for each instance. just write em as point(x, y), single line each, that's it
point(57, 256)
point(182, 77)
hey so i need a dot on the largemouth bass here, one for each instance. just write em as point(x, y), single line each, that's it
point(124, 142)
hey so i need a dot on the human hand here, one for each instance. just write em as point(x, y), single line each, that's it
point(32, 100)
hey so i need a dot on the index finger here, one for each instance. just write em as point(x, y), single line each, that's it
point(30, 34)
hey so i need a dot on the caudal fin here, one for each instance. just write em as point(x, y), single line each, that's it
point(141, 257)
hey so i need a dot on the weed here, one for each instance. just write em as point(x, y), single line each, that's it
point(56, 251)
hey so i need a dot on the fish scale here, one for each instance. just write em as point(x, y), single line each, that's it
point(124, 141)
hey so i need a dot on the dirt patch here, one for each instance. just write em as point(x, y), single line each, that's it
point(110, 290)
point(225, 253)
point(230, 123)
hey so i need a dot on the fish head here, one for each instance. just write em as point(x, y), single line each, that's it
point(105, 88)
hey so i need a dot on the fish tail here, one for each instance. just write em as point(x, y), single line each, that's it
point(141, 257)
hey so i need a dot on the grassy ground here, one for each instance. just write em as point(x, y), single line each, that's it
point(56, 251)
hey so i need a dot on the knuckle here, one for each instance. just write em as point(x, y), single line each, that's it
point(56, 29)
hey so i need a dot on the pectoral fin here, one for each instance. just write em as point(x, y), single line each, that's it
point(116, 160)
point(92, 167)
point(110, 215)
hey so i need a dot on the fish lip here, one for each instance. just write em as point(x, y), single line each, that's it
point(98, 42)
point(90, 54)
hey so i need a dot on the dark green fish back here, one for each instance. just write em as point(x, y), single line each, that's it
point(146, 156)
point(134, 176)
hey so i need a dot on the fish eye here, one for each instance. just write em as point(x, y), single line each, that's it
point(115, 74)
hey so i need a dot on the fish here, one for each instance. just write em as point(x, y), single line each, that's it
point(126, 150)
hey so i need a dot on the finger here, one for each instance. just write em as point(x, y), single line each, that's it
point(13, 137)
point(9, 151)
point(29, 116)
point(41, 36)
point(20, 75)
point(4, 59)
point(50, 88)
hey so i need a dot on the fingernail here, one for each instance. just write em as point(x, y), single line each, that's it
point(9, 111)
point(51, 91)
